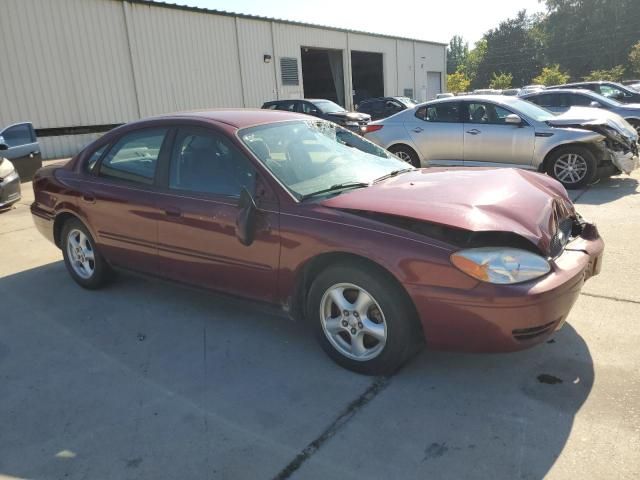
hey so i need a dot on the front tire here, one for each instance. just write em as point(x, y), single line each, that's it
point(362, 319)
point(84, 262)
point(573, 166)
point(406, 154)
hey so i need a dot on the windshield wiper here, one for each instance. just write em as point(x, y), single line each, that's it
point(337, 186)
point(393, 174)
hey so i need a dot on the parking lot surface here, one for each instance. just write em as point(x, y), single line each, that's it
point(146, 379)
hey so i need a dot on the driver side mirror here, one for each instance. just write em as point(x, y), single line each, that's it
point(246, 220)
point(513, 119)
point(595, 104)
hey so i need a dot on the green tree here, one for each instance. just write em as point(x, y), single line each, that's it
point(458, 82)
point(634, 59)
point(587, 35)
point(474, 59)
point(513, 47)
point(551, 76)
point(457, 53)
point(614, 74)
point(501, 81)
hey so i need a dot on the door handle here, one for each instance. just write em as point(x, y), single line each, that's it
point(89, 197)
point(173, 212)
point(418, 129)
point(473, 131)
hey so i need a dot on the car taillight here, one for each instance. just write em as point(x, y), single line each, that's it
point(372, 128)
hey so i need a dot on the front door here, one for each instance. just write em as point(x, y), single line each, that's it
point(24, 150)
point(436, 131)
point(197, 236)
point(488, 139)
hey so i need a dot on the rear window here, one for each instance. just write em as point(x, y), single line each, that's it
point(447, 112)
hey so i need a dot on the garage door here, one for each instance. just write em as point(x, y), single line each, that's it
point(434, 84)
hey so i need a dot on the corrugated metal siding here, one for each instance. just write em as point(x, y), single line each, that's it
point(183, 60)
point(65, 146)
point(258, 77)
point(64, 63)
point(405, 69)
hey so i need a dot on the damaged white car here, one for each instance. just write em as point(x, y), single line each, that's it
point(574, 147)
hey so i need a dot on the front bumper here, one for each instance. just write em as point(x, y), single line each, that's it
point(505, 318)
point(626, 162)
point(10, 191)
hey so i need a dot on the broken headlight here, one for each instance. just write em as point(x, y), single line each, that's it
point(501, 265)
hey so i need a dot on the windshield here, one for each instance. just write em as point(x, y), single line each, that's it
point(308, 156)
point(531, 110)
point(327, 106)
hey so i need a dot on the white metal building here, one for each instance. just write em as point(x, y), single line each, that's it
point(76, 68)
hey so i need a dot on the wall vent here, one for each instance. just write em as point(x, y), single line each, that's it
point(289, 71)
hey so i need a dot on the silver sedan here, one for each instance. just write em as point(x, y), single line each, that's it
point(509, 132)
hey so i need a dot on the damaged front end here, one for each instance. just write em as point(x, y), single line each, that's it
point(620, 144)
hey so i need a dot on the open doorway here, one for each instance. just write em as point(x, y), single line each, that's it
point(367, 76)
point(323, 74)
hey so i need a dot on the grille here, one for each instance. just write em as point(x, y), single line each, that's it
point(524, 334)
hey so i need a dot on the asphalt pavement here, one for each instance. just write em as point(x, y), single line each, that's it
point(146, 379)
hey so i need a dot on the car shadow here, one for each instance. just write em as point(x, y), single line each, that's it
point(608, 190)
point(150, 379)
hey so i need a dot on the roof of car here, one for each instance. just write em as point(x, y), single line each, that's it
point(560, 90)
point(239, 117)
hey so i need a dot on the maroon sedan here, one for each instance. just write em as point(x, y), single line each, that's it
point(297, 212)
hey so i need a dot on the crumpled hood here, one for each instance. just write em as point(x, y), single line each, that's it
point(350, 116)
point(586, 116)
point(504, 200)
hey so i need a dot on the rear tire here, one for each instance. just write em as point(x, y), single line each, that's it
point(573, 166)
point(84, 262)
point(362, 319)
point(406, 154)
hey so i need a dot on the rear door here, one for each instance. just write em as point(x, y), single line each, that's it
point(118, 197)
point(24, 150)
point(436, 131)
point(488, 139)
point(197, 239)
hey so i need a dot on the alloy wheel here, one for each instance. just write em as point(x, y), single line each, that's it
point(81, 254)
point(404, 156)
point(570, 168)
point(353, 322)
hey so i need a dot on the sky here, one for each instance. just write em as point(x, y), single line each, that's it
point(435, 20)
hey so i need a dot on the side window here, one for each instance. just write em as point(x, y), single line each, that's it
point(488, 113)
point(447, 112)
point(308, 108)
point(289, 106)
point(579, 100)
point(134, 157)
point(270, 106)
point(611, 92)
point(203, 161)
point(18, 135)
point(546, 100)
point(91, 162)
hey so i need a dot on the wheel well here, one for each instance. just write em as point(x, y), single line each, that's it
point(404, 145)
point(58, 225)
point(589, 146)
point(317, 264)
